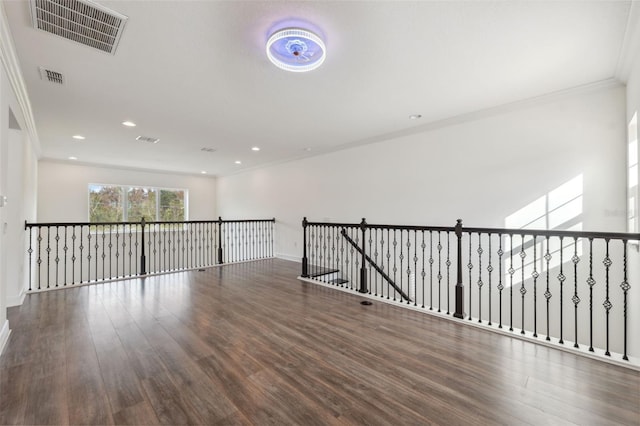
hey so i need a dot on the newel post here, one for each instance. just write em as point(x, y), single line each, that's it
point(363, 270)
point(459, 313)
point(220, 253)
point(305, 261)
point(143, 257)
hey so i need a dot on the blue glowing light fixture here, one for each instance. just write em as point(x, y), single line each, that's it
point(296, 50)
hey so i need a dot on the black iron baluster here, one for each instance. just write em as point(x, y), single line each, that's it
point(470, 267)
point(607, 303)
point(57, 258)
point(96, 246)
point(39, 260)
point(110, 250)
point(423, 273)
point(395, 269)
point(535, 276)
point(448, 263)
point(500, 284)
point(30, 251)
point(401, 261)
point(561, 279)
point(489, 271)
point(124, 246)
point(104, 236)
point(370, 275)
point(625, 286)
point(591, 282)
point(480, 283)
point(439, 276)
point(459, 312)
point(375, 257)
point(48, 249)
point(388, 260)
point(415, 269)
point(511, 272)
point(523, 290)
point(575, 299)
point(89, 254)
point(73, 256)
point(117, 249)
point(131, 250)
point(81, 249)
point(547, 293)
point(431, 261)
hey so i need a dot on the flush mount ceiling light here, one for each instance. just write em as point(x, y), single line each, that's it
point(129, 123)
point(78, 137)
point(296, 50)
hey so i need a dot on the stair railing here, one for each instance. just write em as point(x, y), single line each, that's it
point(67, 254)
point(568, 287)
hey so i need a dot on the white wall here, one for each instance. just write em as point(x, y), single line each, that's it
point(481, 170)
point(63, 189)
point(18, 165)
point(633, 107)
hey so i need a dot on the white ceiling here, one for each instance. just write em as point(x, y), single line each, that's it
point(195, 74)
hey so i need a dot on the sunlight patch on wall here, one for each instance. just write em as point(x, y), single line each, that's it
point(632, 175)
point(559, 209)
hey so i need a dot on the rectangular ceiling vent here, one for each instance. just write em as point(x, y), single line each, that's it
point(147, 139)
point(51, 76)
point(206, 149)
point(82, 21)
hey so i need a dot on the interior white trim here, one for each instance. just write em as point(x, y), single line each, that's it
point(288, 257)
point(16, 79)
point(630, 44)
point(459, 119)
point(16, 300)
point(4, 335)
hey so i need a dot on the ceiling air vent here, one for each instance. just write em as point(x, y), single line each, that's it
point(206, 149)
point(51, 76)
point(147, 139)
point(82, 21)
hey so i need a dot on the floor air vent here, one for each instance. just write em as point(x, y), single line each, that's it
point(82, 21)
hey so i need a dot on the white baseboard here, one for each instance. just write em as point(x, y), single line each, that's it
point(288, 257)
point(16, 300)
point(4, 335)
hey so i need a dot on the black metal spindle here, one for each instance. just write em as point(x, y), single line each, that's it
point(607, 303)
point(73, 256)
point(448, 263)
point(480, 283)
point(470, 268)
point(30, 251)
point(459, 312)
point(48, 255)
point(511, 272)
point(489, 271)
point(423, 273)
point(439, 276)
point(561, 279)
point(500, 284)
point(625, 286)
point(523, 290)
point(431, 261)
point(81, 247)
point(591, 282)
point(535, 276)
point(547, 293)
point(57, 258)
point(575, 299)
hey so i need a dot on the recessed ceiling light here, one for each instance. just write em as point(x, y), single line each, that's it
point(129, 123)
point(203, 172)
point(296, 50)
point(73, 158)
point(307, 149)
point(255, 148)
point(415, 116)
point(79, 137)
point(238, 162)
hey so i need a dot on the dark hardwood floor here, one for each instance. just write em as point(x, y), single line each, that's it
point(250, 344)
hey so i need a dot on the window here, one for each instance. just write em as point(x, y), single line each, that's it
point(115, 203)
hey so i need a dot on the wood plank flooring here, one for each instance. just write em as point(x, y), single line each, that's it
point(248, 344)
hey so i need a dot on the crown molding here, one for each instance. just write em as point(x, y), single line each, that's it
point(11, 64)
point(630, 44)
